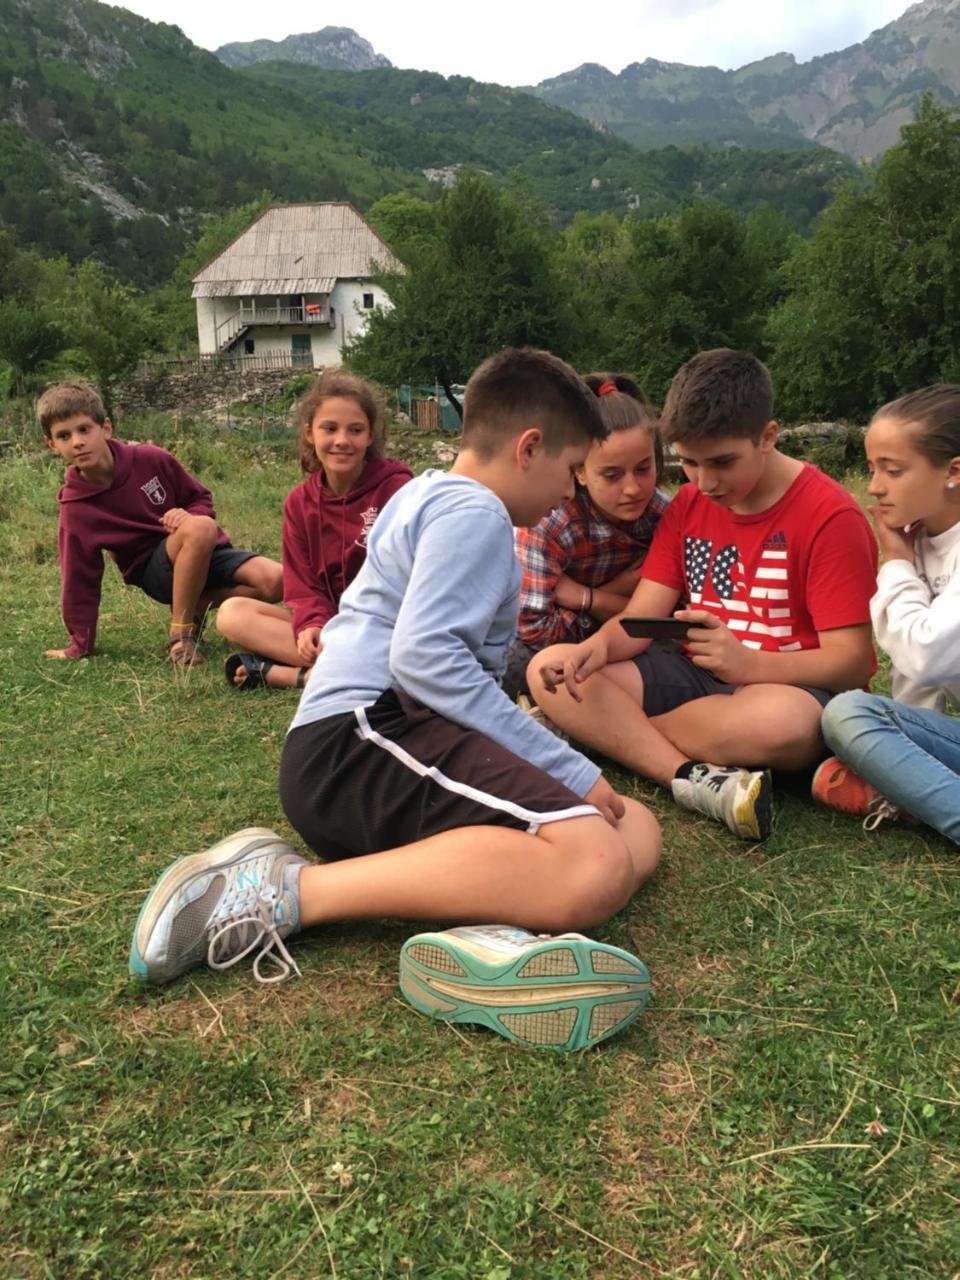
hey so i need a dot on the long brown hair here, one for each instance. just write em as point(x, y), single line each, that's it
point(337, 382)
point(623, 405)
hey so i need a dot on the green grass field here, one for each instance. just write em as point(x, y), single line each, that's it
point(787, 1106)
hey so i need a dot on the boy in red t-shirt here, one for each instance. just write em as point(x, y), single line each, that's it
point(778, 564)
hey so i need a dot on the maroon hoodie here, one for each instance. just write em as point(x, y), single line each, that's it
point(325, 538)
point(122, 519)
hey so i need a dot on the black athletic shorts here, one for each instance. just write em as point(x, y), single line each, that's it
point(155, 576)
point(394, 772)
point(671, 680)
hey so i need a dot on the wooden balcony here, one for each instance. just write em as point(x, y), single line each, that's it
point(228, 332)
point(307, 313)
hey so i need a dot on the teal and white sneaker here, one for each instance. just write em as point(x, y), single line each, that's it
point(562, 992)
point(218, 906)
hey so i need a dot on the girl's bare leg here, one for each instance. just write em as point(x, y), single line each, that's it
point(263, 629)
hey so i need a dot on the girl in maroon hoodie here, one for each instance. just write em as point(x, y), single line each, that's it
point(342, 432)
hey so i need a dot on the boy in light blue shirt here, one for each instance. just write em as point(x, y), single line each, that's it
point(427, 791)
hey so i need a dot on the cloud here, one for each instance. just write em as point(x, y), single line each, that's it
point(678, 8)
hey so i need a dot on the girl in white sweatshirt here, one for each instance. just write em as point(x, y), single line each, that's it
point(902, 754)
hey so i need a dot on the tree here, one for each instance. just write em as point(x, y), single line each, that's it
point(406, 223)
point(594, 261)
point(485, 281)
point(874, 303)
point(28, 340)
point(694, 280)
point(111, 328)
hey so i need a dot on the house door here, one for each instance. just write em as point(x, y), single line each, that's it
point(301, 351)
point(295, 306)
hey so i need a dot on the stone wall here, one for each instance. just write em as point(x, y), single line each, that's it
point(199, 389)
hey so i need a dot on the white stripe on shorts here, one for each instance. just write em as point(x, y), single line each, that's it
point(533, 819)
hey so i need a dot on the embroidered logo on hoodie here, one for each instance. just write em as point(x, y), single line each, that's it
point(369, 518)
point(155, 491)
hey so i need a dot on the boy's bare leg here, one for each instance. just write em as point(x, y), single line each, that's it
point(263, 629)
point(260, 578)
point(189, 547)
point(776, 726)
point(266, 584)
point(611, 719)
point(571, 875)
point(769, 726)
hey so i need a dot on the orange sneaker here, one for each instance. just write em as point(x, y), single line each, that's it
point(836, 786)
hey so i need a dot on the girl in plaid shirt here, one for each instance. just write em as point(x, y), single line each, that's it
point(581, 562)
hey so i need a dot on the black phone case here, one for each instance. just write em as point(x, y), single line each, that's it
point(655, 628)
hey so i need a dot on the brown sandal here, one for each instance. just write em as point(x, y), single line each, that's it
point(183, 650)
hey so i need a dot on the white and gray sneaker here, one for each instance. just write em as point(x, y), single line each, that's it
point(741, 798)
point(218, 906)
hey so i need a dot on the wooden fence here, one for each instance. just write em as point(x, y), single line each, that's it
point(238, 363)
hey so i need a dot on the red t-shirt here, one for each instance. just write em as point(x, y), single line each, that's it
point(778, 577)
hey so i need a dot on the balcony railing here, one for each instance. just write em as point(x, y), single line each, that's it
point(308, 313)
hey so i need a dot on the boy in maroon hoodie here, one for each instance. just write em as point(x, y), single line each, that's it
point(141, 507)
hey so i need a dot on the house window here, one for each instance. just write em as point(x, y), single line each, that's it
point(249, 346)
point(367, 301)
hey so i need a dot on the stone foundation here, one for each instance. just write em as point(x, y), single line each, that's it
point(170, 388)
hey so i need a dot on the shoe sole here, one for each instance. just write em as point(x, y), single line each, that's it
point(231, 849)
point(563, 994)
point(753, 808)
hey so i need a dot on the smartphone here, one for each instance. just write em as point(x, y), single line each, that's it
point(655, 628)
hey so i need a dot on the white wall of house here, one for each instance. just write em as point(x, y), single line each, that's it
point(347, 301)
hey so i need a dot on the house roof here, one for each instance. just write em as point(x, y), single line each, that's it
point(296, 248)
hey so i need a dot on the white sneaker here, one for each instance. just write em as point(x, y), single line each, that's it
point(237, 898)
point(562, 992)
point(738, 797)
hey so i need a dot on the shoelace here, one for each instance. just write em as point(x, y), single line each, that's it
point(260, 917)
point(881, 810)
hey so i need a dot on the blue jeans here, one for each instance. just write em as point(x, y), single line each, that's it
point(911, 755)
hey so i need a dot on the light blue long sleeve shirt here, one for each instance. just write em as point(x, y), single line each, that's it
point(432, 612)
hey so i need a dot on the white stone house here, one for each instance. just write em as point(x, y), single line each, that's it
point(294, 285)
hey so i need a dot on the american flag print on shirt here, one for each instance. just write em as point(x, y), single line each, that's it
point(755, 603)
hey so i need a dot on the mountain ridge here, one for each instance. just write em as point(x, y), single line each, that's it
point(854, 100)
point(331, 48)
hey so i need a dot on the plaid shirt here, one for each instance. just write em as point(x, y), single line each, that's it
point(579, 540)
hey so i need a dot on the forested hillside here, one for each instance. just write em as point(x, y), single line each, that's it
point(117, 133)
point(431, 123)
point(118, 137)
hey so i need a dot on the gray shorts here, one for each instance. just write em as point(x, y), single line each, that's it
point(155, 576)
point(671, 680)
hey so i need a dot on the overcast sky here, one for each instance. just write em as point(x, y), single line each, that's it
point(525, 41)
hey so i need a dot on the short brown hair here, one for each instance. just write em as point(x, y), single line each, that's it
point(623, 405)
point(63, 400)
point(521, 387)
point(718, 393)
point(935, 412)
point(337, 382)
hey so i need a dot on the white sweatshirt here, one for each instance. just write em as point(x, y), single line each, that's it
point(916, 615)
